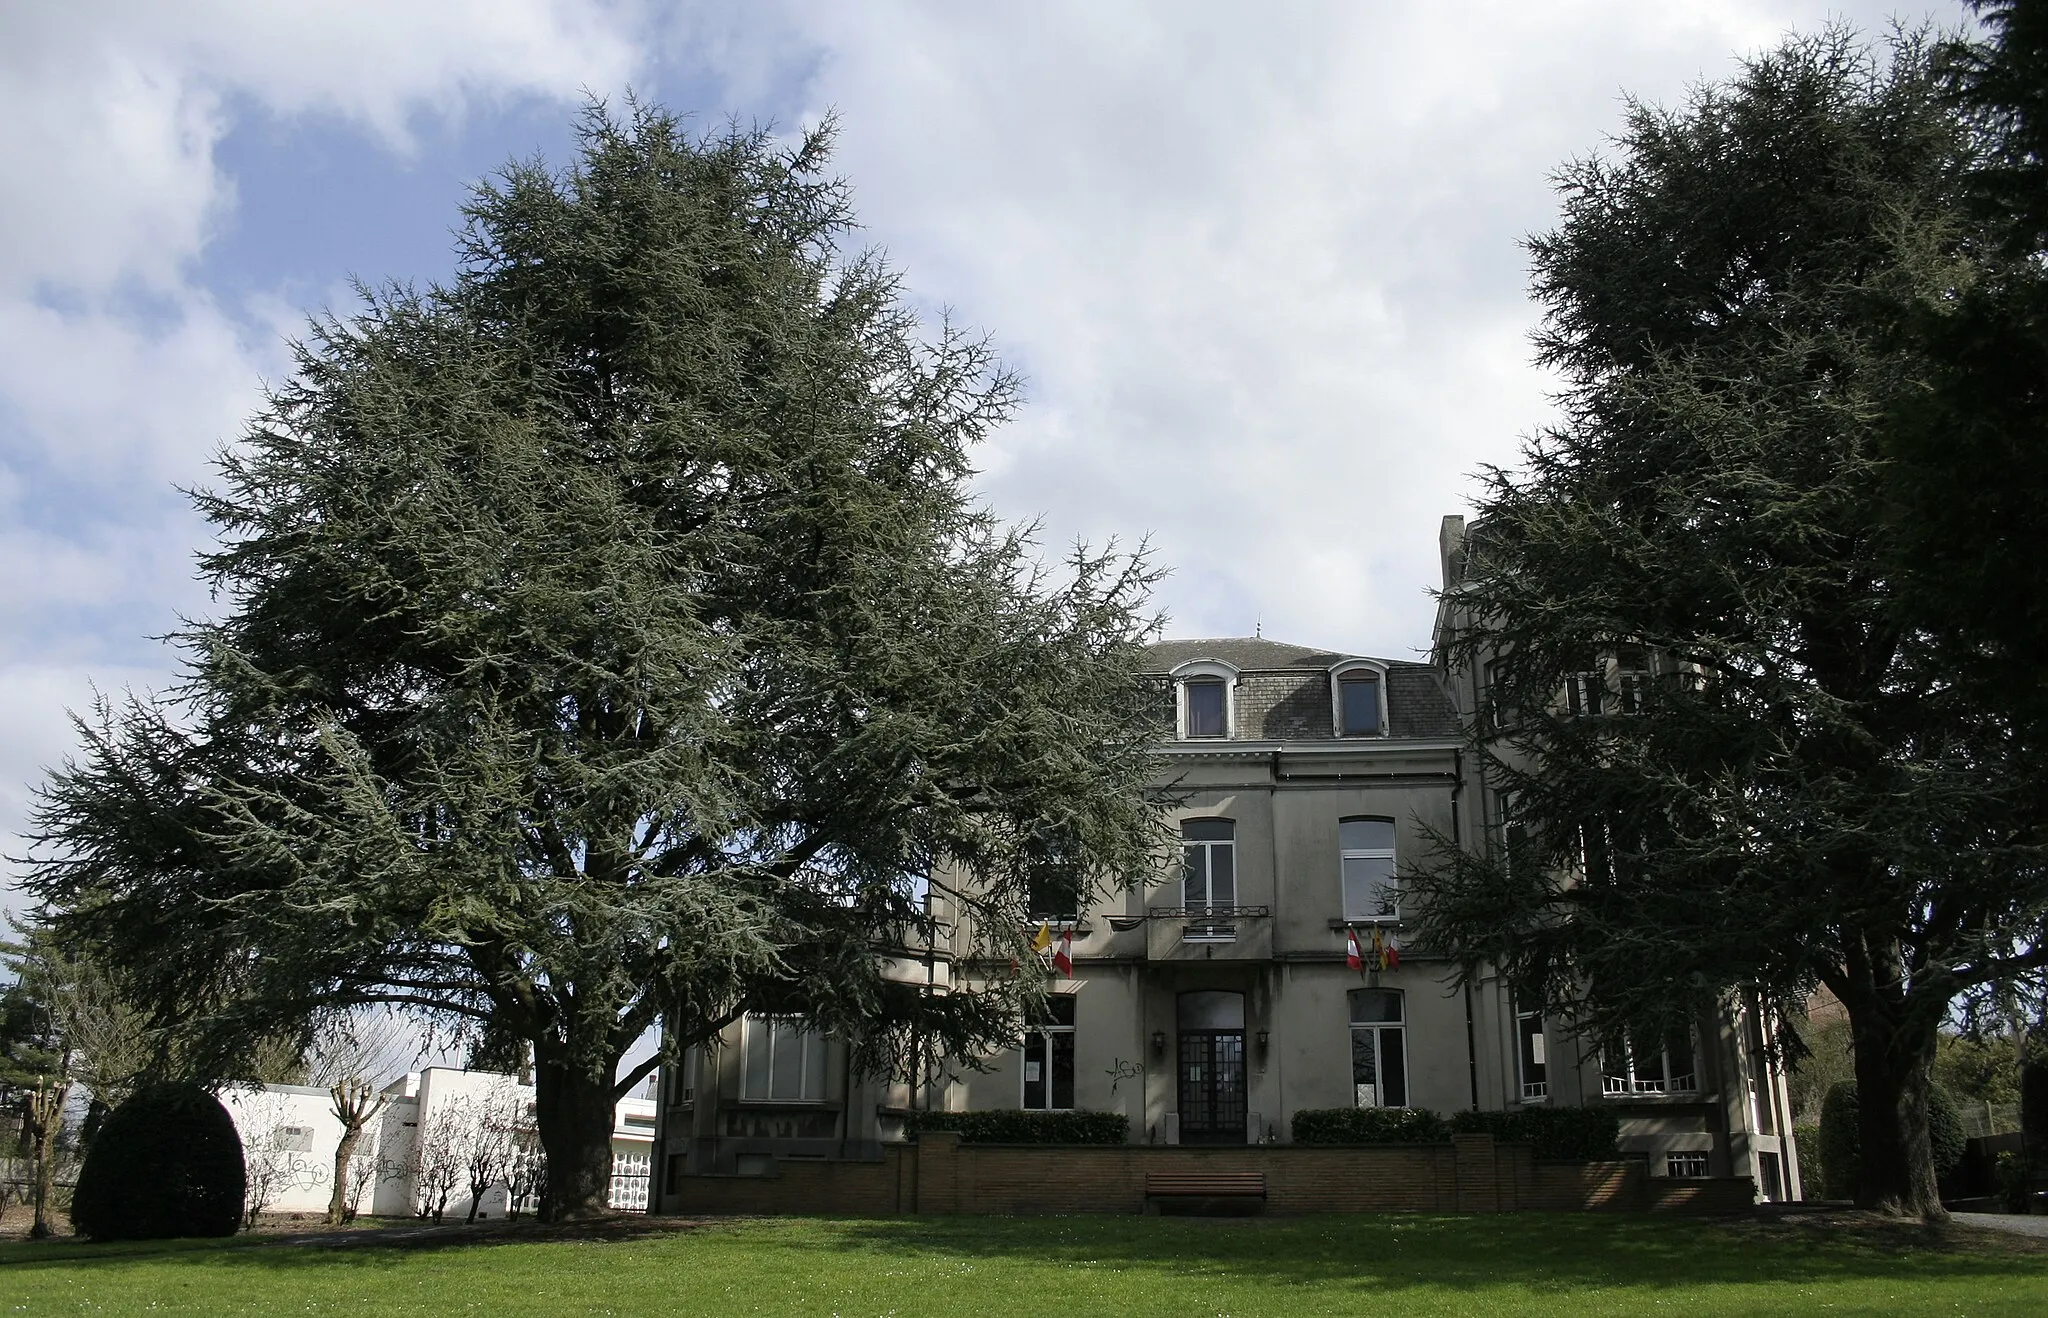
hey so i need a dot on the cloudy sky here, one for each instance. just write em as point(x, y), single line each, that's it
point(1259, 264)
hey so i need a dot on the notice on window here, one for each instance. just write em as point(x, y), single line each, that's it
point(1536, 1049)
point(1031, 1073)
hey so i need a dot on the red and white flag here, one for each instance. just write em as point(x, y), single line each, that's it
point(1063, 952)
point(1353, 956)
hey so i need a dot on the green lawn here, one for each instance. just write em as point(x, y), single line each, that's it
point(1026, 1267)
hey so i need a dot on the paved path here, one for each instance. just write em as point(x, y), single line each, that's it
point(2018, 1224)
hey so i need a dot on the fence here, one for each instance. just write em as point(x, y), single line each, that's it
point(631, 1174)
point(1981, 1118)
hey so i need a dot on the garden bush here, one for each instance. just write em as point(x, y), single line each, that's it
point(1370, 1125)
point(1019, 1127)
point(1812, 1166)
point(1841, 1143)
point(1553, 1134)
point(165, 1163)
point(1838, 1141)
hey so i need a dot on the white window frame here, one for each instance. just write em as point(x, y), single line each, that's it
point(1209, 845)
point(1205, 670)
point(1380, 1030)
point(1046, 1032)
point(811, 1049)
point(1387, 854)
point(1351, 668)
point(1533, 1091)
point(1623, 1082)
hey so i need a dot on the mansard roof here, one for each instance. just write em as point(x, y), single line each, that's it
point(1290, 701)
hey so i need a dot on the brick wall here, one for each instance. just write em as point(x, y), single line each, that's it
point(941, 1175)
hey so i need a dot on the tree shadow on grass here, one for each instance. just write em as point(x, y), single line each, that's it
point(1538, 1251)
point(1385, 1253)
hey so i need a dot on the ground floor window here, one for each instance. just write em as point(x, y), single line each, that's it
point(1685, 1165)
point(1379, 1050)
point(1049, 1057)
point(784, 1061)
point(1641, 1063)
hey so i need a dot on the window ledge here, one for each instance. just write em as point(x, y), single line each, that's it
point(1367, 922)
point(785, 1104)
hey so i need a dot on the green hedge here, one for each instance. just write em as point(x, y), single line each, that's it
point(1021, 1127)
point(1553, 1134)
point(1841, 1137)
point(1370, 1125)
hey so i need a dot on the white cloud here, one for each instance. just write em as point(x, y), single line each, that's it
point(122, 373)
point(1260, 266)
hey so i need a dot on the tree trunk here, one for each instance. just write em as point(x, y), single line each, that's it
point(46, 1108)
point(1894, 1069)
point(344, 1153)
point(574, 1111)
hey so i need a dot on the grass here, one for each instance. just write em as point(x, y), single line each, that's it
point(1407, 1265)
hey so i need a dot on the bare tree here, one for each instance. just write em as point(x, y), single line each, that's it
point(266, 1151)
point(349, 1058)
point(490, 1138)
point(364, 1171)
point(529, 1173)
point(436, 1162)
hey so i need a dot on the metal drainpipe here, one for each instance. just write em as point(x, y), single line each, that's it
point(1458, 836)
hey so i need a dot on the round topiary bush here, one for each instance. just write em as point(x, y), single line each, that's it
point(165, 1163)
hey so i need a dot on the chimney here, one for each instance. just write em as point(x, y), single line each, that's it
point(1450, 542)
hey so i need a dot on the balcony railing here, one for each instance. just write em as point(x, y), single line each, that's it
point(1210, 922)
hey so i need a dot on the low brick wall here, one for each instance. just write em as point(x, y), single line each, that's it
point(939, 1174)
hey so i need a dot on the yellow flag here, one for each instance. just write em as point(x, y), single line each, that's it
point(1043, 939)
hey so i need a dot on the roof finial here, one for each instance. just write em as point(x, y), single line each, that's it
point(1258, 628)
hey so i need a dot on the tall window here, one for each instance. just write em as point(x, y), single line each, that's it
point(1586, 692)
point(784, 1061)
point(1641, 1063)
point(1531, 1066)
point(1379, 1052)
point(1208, 864)
point(1632, 671)
point(1367, 858)
point(1049, 1057)
point(1207, 714)
point(1358, 705)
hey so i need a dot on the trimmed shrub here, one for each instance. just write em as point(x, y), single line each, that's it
point(1839, 1141)
point(1553, 1134)
point(1370, 1125)
point(1945, 1130)
point(1023, 1127)
point(1812, 1166)
point(165, 1163)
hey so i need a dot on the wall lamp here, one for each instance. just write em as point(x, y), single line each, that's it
point(1159, 1043)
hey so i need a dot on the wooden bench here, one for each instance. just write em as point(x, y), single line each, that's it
point(1205, 1192)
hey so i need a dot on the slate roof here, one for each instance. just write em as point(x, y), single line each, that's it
point(1283, 694)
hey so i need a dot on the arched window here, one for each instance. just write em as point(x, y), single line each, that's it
point(1366, 861)
point(1358, 704)
point(1203, 690)
point(1379, 1049)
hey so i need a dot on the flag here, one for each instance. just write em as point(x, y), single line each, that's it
point(1043, 938)
point(1391, 958)
point(1063, 955)
point(1352, 956)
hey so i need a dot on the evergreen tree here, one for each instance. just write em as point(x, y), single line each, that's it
point(1732, 748)
point(609, 637)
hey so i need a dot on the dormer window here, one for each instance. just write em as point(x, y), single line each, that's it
point(1206, 708)
point(1203, 696)
point(1358, 697)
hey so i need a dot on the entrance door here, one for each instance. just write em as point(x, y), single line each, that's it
point(1212, 1079)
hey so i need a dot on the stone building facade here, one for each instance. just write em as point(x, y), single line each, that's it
point(1214, 999)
